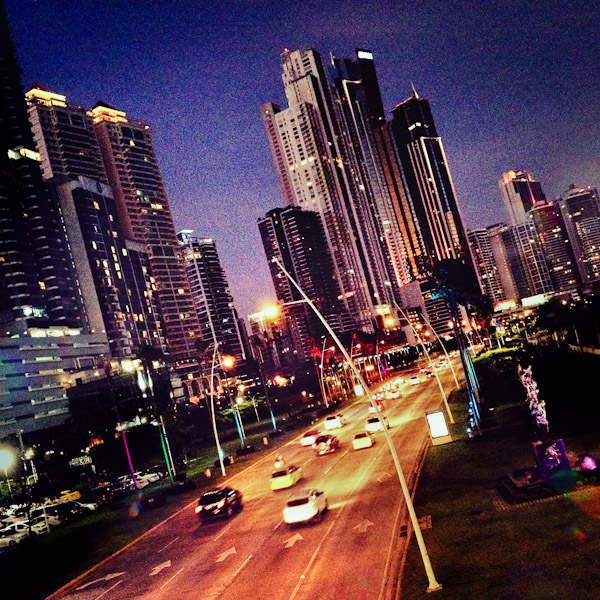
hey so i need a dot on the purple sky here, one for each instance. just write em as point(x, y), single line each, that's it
point(514, 86)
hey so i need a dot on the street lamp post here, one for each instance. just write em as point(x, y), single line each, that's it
point(433, 584)
point(227, 363)
point(212, 409)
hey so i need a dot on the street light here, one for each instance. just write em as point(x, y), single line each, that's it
point(227, 363)
point(433, 584)
point(7, 459)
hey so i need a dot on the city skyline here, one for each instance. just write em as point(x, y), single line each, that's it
point(500, 103)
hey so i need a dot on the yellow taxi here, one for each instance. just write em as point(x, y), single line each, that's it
point(285, 477)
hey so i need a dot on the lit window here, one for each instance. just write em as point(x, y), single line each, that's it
point(124, 251)
point(181, 291)
point(96, 205)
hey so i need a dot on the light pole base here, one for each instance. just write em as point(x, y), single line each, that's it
point(435, 588)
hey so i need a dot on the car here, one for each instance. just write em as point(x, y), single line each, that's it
point(52, 518)
point(37, 527)
point(325, 444)
point(380, 405)
point(285, 477)
point(308, 439)
point(414, 380)
point(364, 439)
point(218, 503)
point(334, 422)
point(374, 424)
point(9, 540)
point(305, 505)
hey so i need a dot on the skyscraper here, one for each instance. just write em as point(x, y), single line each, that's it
point(36, 268)
point(485, 265)
point(520, 193)
point(426, 173)
point(143, 210)
point(210, 291)
point(64, 136)
point(46, 341)
point(297, 239)
point(318, 170)
point(115, 285)
point(581, 211)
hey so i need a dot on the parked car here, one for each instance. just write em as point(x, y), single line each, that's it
point(375, 424)
point(218, 503)
point(285, 477)
point(364, 439)
point(308, 439)
point(52, 518)
point(9, 540)
point(334, 422)
point(305, 505)
point(325, 444)
point(414, 380)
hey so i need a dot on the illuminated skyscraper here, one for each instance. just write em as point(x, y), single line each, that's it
point(64, 136)
point(438, 231)
point(485, 265)
point(143, 210)
point(321, 170)
point(581, 211)
point(210, 292)
point(520, 193)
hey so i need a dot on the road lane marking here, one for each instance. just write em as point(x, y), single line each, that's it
point(112, 587)
point(223, 531)
point(225, 554)
point(158, 568)
point(363, 526)
point(105, 578)
point(292, 540)
point(170, 579)
point(165, 547)
point(242, 566)
point(278, 524)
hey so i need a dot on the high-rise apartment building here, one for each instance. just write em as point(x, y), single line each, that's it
point(115, 284)
point(45, 333)
point(556, 245)
point(433, 204)
point(485, 265)
point(580, 208)
point(143, 211)
point(210, 291)
point(520, 193)
point(318, 169)
point(297, 239)
point(64, 136)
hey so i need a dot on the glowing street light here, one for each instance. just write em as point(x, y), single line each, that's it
point(7, 459)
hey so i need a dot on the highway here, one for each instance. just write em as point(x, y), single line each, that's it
point(349, 554)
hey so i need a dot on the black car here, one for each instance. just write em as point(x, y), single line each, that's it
point(218, 503)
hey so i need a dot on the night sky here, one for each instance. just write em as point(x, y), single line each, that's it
point(514, 86)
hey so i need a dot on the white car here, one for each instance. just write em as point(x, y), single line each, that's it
point(8, 539)
point(414, 380)
point(334, 422)
point(364, 439)
point(380, 405)
point(305, 505)
point(374, 424)
point(308, 439)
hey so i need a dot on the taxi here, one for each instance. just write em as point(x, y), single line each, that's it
point(285, 477)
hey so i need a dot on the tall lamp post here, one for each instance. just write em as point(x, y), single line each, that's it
point(433, 584)
point(212, 408)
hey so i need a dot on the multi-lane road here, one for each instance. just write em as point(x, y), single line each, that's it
point(351, 553)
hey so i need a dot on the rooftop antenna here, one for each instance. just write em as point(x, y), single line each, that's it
point(414, 89)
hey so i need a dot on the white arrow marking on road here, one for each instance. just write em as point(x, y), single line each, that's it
point(363, 525)
point(383, 477)
point(291, 541)
point(158, 568)
point(105, 578)
point(225, 554)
